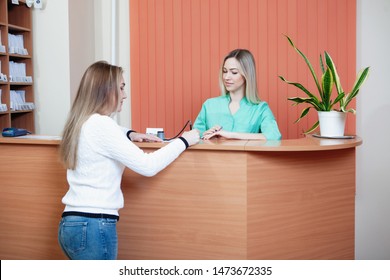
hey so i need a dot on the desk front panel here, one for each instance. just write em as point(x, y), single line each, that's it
point(33, 183)
point(209, 204)
point(301, 205)
point(194, 209)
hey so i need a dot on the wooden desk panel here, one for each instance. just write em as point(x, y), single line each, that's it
point(32, 185)
point(301, 205)
point(194, 209)
point(218, 200)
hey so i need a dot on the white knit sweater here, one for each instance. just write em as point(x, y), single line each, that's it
point(103, 153)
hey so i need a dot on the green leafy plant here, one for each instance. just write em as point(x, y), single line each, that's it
point(329, 80)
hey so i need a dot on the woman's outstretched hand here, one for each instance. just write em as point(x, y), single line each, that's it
point(191, 136)
point(211, 132)
point(141, 137)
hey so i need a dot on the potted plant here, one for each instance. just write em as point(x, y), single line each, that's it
point(323, 102)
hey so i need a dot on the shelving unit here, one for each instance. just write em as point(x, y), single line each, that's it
point(16, 20)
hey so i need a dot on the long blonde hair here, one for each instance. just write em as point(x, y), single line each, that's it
point(98, 92)
point(247, 70)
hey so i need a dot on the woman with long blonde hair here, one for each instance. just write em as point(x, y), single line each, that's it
point(238, 113)
point(96, 150)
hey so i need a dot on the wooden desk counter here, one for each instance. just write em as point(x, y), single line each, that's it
point(289, 199)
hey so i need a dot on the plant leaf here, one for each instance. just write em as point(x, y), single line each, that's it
point(314, 127)
point(322, 64)
point(303, 113)
point(361, 78)
point(338, 98)
point(315, 100)
point(300, 100)
point(330, 64)
point(350, 111)
point(327, 86)
point(307, 62)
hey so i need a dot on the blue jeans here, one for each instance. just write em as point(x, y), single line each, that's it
point(83, 238)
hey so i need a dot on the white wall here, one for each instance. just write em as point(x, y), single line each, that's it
point(51, 67)
point(373, 157)
point(69, 35)
point(114, 48)
point(54, 67)
point(81, 41)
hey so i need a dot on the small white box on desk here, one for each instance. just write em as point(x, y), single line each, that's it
point(153, 130)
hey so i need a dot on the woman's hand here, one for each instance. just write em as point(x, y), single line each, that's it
point(191, 136)
point(141, 137)
point(211, 131)
point(218, 133)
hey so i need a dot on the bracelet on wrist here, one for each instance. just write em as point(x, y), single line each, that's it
point(128, 134)
point(184, 141)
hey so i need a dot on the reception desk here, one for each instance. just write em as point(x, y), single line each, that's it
point(221, 199)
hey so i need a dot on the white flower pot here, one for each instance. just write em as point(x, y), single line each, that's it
point(332, 123)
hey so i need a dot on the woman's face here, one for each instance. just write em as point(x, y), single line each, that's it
point(122, 94)
point(231, 76)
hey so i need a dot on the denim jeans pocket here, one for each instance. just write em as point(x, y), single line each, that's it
point(73, 236)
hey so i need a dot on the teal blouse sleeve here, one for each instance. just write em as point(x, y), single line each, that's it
point(200, 121)
point(268, 124)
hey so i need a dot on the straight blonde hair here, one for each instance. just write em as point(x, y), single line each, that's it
point(247, 69)
point(98, 92)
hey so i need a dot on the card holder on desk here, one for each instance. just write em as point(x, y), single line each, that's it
point(14, 132)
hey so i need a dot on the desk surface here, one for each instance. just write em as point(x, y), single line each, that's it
point(308, 143)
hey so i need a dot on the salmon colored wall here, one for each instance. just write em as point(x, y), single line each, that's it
point(177, 47)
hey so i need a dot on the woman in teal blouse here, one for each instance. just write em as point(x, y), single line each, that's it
point(238, 113)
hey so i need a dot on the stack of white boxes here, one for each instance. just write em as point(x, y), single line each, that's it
point(3, 107)
point(16, 44)
point(18, 101)
point(2, 47)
